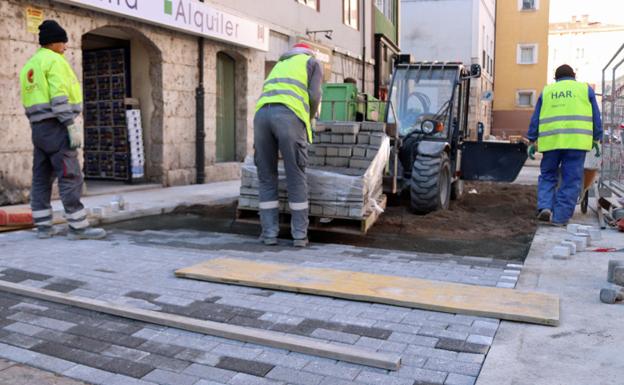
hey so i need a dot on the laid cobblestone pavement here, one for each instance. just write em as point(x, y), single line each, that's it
point(136, 268)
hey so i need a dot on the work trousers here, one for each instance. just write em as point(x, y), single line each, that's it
point(560, 200)
point(276, 127)
point(53, 159)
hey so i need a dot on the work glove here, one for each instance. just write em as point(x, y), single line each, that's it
point(75, 136)
point(531, 150)
point(596, 146)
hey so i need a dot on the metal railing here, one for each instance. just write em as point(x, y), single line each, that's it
point(612, 170)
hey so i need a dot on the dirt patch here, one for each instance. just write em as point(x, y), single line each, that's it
point(496, 221)
point(492, 211)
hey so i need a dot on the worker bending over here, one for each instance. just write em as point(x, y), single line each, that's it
point(289, 101)
point(566, 124)
point(52, 98)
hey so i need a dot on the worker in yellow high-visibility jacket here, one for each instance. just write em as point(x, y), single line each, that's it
point(52, 98)
point(290, 98)
point(566, 125)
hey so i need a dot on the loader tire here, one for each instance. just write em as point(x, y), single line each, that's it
point(430, 188)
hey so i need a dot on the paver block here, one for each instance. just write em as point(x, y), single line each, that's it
point(325, 137)
point(332, 151)
point(349, 139)
point(344, 127)
point(165, 377)
point(345, 151)
point(254, 368)
point(294, 376)
point(336, 138)
point(459, 379)
point(376, 139)
point(373, 126)
point(363, 138)
point(359, 151)
point(561, 252)
point(371, 152)
point(359, 163)
point(331, 369)
point(337, 161)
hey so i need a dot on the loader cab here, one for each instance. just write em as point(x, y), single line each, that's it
point(429, 107)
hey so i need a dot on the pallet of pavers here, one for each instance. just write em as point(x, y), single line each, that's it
point(345, 174)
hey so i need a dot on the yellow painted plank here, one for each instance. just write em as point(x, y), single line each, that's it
point(508, 304)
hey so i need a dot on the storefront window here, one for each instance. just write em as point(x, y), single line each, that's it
point(350, 14)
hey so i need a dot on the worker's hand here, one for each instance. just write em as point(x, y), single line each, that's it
point(596, 146)
point(531, 150)
point(75, 136)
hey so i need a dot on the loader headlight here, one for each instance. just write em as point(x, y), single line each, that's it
point(428, 126)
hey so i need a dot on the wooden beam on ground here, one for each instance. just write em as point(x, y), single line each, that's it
point(269, 338)
point(508, 304)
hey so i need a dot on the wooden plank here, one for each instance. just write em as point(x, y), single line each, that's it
point(269, 338)
point(508, 304)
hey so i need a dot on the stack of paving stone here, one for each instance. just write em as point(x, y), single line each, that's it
point(345, 171)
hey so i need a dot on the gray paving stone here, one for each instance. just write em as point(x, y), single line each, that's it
point(22, 328)
point(480, 340)
point(281, 318)
point(331, 369)
point(89, 374)
point(207, 382)
point(413, 360)
point(246, 379)
point(236, 351)
point(442, 365)
point(335, 336)
point(20, 340)
point(165, 377)
point(209, 373)
point(421, 375)
point(458, 379)
point(369, 377)
point(164, 362)
point(337, 381)
point(285, 360)
point(126, 353)
point(51, 323)
point(198, 356)
point(370, 343)
point(254, 368)
point(471, 357)
point(428, 352)
point(51, 364)
point(294, 376)
point(16, 354)
point(120, 379)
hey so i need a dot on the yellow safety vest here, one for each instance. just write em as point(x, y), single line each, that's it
point(565, 120)
point(287, 84)
point(50, 88)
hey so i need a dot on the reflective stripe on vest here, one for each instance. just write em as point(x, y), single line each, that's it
point(50, 88)
point(565, 120)
point(287, 84)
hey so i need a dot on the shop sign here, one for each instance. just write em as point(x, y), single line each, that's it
point(34, 18)
point(189, 16)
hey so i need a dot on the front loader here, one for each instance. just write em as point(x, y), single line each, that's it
point(432, 155)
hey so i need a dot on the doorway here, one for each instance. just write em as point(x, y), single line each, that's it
point(226, 109)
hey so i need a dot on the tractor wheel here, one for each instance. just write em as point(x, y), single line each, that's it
point(431, 183)
point(457, 190)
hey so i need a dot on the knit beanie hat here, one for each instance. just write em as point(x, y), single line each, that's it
point(564, 71)
point(51, 32)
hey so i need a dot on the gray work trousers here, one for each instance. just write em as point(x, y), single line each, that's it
point(53, 159)
point(276, 127)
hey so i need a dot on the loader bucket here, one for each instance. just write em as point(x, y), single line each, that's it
point(492, 161)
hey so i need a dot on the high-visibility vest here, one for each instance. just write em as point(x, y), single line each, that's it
point(50, 88)
point(565, 120)
point(287, 84)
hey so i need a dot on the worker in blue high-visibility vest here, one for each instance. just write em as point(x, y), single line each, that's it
point(566, 125)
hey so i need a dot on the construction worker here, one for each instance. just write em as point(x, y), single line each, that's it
point(52, 98)
point(284, 113)
point(566, 125)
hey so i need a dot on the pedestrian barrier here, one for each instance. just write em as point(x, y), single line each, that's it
point(612, 170)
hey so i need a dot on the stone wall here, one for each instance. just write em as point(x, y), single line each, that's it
point(170, 110)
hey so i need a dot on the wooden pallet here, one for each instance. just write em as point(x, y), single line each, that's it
point(342, 225)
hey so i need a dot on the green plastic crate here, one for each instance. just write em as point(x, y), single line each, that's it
point(339, 102)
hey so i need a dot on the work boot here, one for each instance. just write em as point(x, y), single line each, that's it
point(300, 242)
point(544, 215)
point(47, 232)
point(88, 233)
point(269, 241)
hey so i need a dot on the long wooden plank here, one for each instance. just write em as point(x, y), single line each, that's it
point(269, 338)
point(493, 302)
